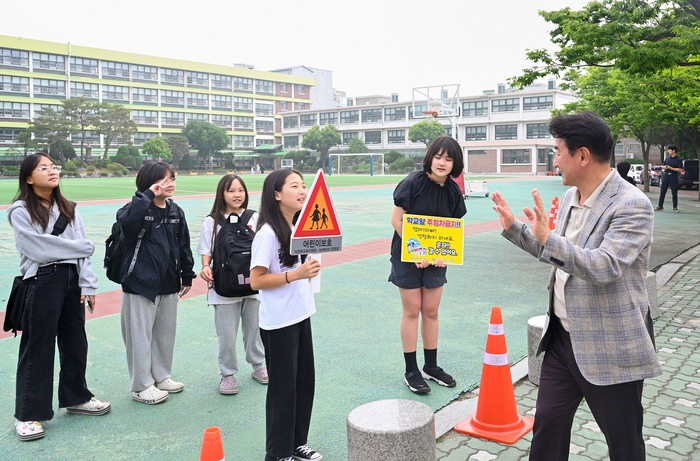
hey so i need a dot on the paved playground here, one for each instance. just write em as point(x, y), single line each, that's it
point(357, 345)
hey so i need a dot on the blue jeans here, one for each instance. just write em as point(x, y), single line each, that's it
point(52, 310)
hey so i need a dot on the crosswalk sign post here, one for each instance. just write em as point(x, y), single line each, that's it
point(317, 230)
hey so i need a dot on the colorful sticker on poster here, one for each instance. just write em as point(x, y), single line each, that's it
point(432, 238)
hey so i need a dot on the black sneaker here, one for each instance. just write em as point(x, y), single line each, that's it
point(416, 383)
point(438, 375)
point(304, 453)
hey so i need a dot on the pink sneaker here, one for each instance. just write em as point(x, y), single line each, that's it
point(260, 375)
point(228, 385)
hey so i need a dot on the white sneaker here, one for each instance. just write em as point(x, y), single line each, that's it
point(150, 396)
point(92, 407)
point(28, 430)
point(170, 386)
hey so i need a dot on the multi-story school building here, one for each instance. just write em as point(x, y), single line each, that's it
point(163, 94)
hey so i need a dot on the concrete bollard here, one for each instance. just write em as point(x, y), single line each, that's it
point(535, 327)
point(389, 430)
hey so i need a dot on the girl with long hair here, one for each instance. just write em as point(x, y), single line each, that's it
point(60, 281)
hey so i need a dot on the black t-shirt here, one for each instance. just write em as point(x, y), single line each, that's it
point(418, 194)
point(673, 162)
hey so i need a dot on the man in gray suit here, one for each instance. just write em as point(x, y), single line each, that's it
point(599, 336)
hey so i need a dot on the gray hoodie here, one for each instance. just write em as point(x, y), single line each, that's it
point(37, 247)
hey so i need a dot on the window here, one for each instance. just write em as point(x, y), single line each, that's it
point(506, 132)
point(475, 108)
point(283, 105)
point(505, 105)
point(476, 152)
point(475, 133)
point(420, 108)
point(301, 89)
point(242, 84)
point(290, 122)
point(84, 90)
point(10, 84)
point(14, 110)
point(172, 118)
point(172, 76)
point(516, 155)
point(144, 95)
point(537, 131)
point(396, 136)
point(349, 116)
point(448, 131)
point(9, 134)
point(115, 69)
point(328, 118)
point(242, 141)
point(145, 117)
point(245, 123)
point(144, 73)
point(373, 137)
point(261, 142)
point(542, 155)
point(244, 104)
point(91, 137)
point(264, 109)
point(115, 93)
point(83, 66)
point(348, 136)
point(172, 98)
point(222, 121)
point(198, 79)
point(221, 81)
point(221, 101)
point(264, 126)
point(283, 87)
point(302, 106)
point(198, 100)
point(40, 108)
point(14, 58)
point(538, 102)
point(264, 86)
point(141, 138)
point(307, 120)
point(197, 117)
point(371, 115)
point(394, 113)
point(44, 61)
point(291, 141)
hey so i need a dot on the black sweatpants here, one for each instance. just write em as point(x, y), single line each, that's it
point(289, 355)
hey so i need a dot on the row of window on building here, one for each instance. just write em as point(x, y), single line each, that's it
point(44, 62)
point(41, 87)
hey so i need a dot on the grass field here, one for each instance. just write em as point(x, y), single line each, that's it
point(82, 189)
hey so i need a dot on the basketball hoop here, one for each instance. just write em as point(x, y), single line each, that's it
point(430, 115)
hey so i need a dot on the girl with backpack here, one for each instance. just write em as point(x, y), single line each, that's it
point(286, 305)
point(55, 256)
point(230, 209)
point(156, 269)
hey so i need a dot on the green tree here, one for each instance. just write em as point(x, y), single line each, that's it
point(82, 113)
point(208, 139)
point(392, 156)
point(321, 140)
point(186, 163)
point(113, 121)
point(62, 149)
point(179, 147)
point(426, 132)
point(50, 128)
point(157, 148)
point(357, 146)
point(27, 142)
point(129, 157)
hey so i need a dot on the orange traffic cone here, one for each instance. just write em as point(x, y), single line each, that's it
point(212, 447)
point(496, 415)
point(553, 212)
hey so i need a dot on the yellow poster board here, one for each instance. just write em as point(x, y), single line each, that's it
point(432, 238)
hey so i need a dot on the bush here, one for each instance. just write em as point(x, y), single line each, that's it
point(402, 165)
point(186, 163)
point(392, 156)
point(71, 167)
point(11, 171)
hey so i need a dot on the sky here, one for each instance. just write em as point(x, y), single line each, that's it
point(371, 46)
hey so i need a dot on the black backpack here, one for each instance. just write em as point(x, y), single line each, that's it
point(230, 263)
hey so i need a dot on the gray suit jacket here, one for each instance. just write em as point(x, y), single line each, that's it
point(606, 298)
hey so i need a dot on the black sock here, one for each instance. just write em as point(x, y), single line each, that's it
point(411, 362)
point(430, 357)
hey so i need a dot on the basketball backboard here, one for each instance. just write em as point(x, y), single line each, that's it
point(435, 101)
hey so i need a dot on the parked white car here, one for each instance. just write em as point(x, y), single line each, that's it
point(637, 173)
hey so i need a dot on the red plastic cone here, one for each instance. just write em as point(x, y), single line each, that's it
point(553, 212)
point(496, 416)
point(212, 447)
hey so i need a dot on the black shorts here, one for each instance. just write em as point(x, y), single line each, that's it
point(408, 276)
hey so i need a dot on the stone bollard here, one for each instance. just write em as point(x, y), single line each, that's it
point(535, 326)
point(389, 430)
point(653, 295)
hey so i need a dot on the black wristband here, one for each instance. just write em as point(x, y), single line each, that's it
point(286, 276)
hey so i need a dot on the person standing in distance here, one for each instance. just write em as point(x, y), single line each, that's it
point(598, 338)
point(672, 168)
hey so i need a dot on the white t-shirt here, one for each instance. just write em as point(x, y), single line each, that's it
point(213, 298)
point(286, 304)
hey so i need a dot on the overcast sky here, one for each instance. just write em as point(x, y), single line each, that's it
point(372, 46)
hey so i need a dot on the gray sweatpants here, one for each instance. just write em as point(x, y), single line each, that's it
point(148, 330)
point(226, 319)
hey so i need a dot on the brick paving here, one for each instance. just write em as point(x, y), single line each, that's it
point(671, 401)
